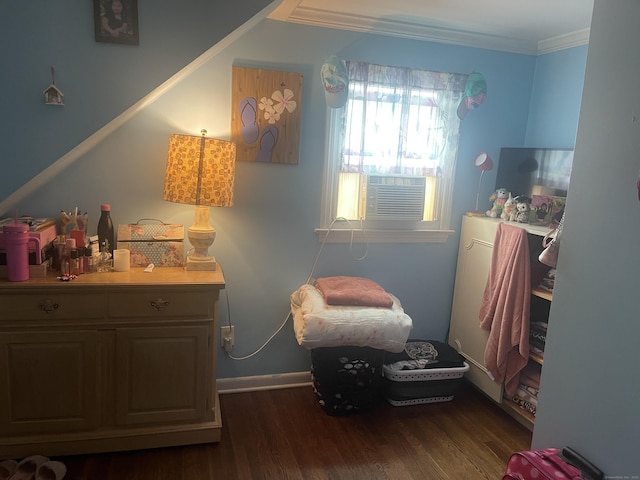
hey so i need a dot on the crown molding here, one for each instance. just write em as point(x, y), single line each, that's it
point(562, 42)
point(290, 11)
point(284, 9)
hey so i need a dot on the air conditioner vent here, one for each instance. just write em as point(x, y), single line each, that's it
point(393, 197)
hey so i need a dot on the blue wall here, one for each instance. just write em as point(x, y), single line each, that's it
point(555, 98)
point(266, 242)
point(99, 80)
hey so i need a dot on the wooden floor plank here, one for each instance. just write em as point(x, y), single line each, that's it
point(285, 434)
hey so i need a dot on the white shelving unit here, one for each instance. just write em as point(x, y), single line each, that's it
point(465, 335)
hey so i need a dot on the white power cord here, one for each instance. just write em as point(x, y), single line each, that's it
point(313, 267)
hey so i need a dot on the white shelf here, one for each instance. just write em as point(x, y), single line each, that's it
point(533, 229)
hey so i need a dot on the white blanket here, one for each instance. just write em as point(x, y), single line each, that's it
point(317, 324)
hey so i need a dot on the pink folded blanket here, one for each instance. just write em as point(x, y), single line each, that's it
point(353, 291)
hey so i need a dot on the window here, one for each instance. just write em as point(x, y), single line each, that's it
point(392, 149)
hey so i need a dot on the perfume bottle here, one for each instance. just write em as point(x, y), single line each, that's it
point(65, 261)
point(74, 264)
point(88, 260)
point(105, 259)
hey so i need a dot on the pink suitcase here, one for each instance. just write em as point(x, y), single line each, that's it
point(550, 464)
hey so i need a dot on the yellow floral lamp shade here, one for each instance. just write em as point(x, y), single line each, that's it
point(200, 171)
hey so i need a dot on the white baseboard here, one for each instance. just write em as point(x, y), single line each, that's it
point(263, 382)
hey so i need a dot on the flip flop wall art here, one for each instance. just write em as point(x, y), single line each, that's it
point(265, 115)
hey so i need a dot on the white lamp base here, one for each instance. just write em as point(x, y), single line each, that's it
point(198, 264)
point(201, 236)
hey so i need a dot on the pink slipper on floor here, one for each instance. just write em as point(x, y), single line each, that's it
point(26, 469)
point(7, 467)
point(51, 471)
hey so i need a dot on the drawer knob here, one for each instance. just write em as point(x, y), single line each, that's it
point(159, 304)
point(48, 306)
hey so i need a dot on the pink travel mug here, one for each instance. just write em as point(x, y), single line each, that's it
point(16, 238)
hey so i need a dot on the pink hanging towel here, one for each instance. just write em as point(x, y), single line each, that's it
point(504, 309)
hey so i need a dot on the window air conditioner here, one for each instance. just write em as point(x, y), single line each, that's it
point(392, 197)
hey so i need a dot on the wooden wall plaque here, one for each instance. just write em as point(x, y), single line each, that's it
point(265, 115)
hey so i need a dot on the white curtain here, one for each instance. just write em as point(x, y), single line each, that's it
point(400, 120)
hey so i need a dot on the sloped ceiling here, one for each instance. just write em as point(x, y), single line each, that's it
point(518, 26)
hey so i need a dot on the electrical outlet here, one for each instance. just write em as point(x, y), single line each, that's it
point(227, 337)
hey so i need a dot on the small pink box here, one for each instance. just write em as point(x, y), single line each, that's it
point(157, 243)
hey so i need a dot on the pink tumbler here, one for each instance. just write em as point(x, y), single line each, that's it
point(16, 242)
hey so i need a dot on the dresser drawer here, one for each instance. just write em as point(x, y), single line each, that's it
point(42, 305)
point(161, 303)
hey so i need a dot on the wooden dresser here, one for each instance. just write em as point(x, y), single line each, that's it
point(109, 361)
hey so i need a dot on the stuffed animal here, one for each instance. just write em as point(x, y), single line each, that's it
point(523, 208)
point(509, 208)
point(499, 197)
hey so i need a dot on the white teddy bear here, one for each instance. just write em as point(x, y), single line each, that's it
point(508, 210)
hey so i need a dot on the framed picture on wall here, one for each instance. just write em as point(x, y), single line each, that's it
point(116, 21)
point(265, 115)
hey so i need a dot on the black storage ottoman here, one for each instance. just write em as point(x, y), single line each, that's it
point(426, 372)
point(347, 380)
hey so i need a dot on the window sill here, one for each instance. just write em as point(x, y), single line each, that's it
point(348, 235)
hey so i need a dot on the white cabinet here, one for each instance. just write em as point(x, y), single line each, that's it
point(465, 335)
point(49, 378)
point(109, 361)
point(162, 374)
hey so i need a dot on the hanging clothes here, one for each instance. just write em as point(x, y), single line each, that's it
point(504, 309)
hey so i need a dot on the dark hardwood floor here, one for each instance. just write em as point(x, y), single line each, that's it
point(284, 434)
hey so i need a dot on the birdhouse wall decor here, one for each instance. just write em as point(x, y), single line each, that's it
point(52, 94)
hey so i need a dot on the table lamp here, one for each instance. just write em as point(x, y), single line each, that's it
point(200, 171)
point(484, 163)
